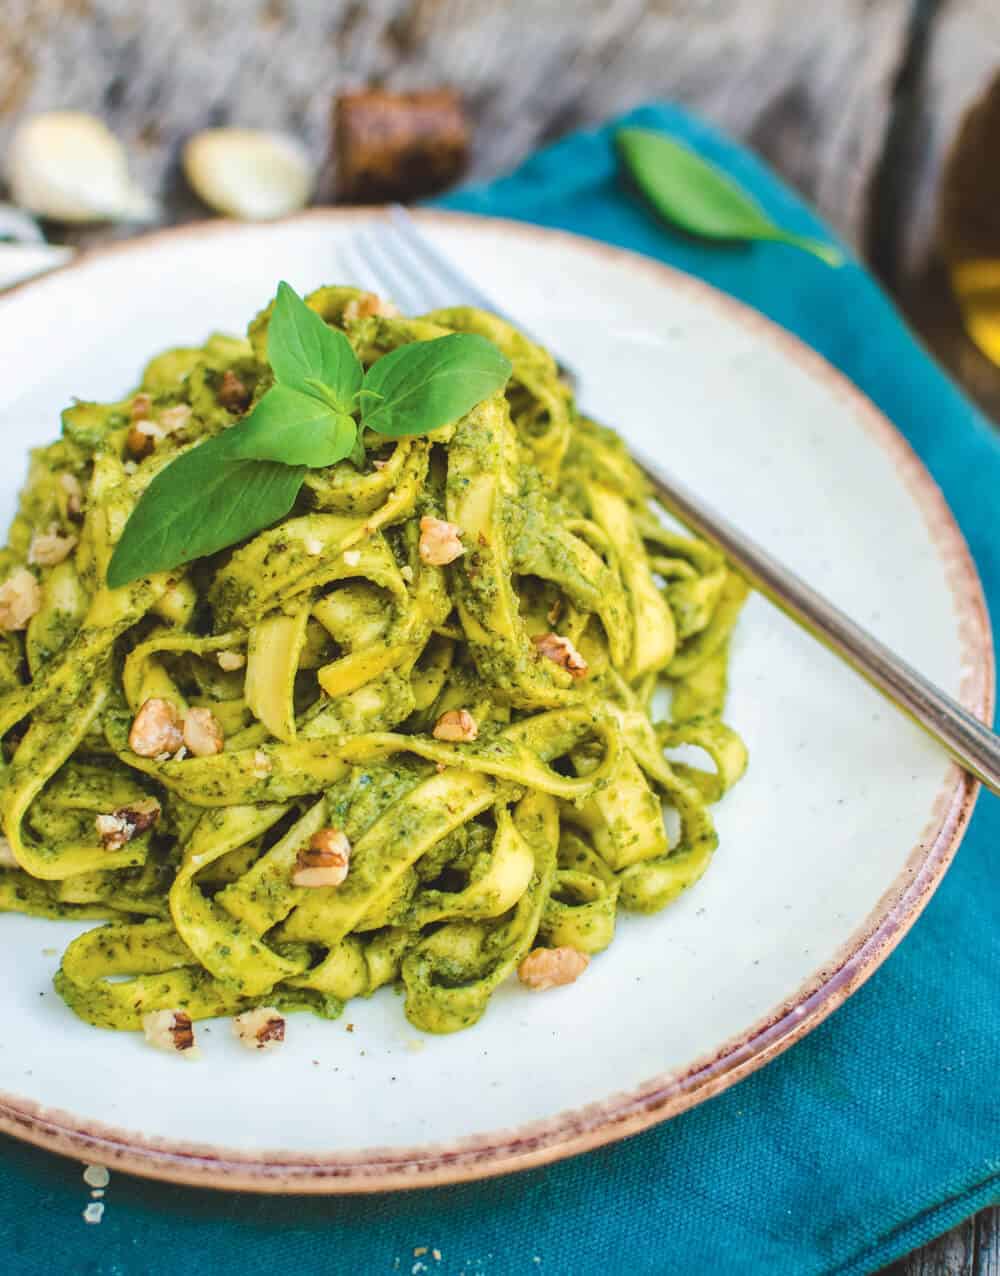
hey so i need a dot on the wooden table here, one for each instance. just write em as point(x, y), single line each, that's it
point(854, 101)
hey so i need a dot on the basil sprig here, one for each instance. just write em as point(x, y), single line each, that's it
point(238, 482)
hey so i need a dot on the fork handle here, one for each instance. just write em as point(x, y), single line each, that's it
point(970, 742)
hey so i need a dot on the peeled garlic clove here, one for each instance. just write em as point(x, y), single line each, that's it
point(249, 174)
point(70, 167)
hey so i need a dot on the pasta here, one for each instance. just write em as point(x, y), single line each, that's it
point(411, 734)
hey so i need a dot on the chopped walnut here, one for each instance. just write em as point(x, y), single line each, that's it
point(141, 439)
point(170, 1030)
point(456, 725)
point(156, 729)
point(260, 1029)
point(232, 393)
point(366, 305)
point(440, 542)
point(7, 858)
point(262, 765)
point(561, 652)
point(127, 822)
point(352, 557)
point(48, 548)
point(325, 861)
point(175, 418)
point(70, 484)
point(230, 660)
point(20, 599)
point(141, 408)
point(552, 967)
point(202, 733)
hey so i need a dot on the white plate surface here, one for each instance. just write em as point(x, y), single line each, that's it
point(844, 822)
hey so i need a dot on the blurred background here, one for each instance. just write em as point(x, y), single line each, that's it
point(859, 103)
point(884, 113)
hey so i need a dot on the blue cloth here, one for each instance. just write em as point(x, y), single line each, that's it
point(876, 1133)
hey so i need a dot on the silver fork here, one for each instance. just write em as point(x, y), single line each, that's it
point(401, 262)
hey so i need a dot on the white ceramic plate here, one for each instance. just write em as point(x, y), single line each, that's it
point(829, 849)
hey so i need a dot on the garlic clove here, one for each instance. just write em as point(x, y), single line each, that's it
point(68, 166)
point(247, 173)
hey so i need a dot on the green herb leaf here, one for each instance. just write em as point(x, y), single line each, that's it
point(427, 384)
point(690, 193)
point(202, 502)
point(294, 428)
point(301, 349)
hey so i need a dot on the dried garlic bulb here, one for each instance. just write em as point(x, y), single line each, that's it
point(70, 167)
point(249, 174)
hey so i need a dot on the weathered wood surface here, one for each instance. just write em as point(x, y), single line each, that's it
point(812, 87)
point(812, 94)
point(961, 56)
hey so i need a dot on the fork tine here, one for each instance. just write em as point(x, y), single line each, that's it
point(463, 290)
point(392, 281)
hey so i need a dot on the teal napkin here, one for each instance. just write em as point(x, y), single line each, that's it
point(873, 1135)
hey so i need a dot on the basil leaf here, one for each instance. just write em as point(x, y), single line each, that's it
point(426, 384)
point(202, 502)
point(294, 428)
point(302, 348)
point(691, 194)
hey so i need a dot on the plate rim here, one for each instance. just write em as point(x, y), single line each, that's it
point(625, 1113)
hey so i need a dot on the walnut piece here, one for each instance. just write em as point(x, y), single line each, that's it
point(71, 485)
point(51, 547)
point(440, 542)
point(561, 652)
point(175, 418)
point(456, 725)
point(141, 408)
point(230, 660)
point(20, 599)
point(170, 1030)
point(232, 393)
point(552, 967)
point(325, 861)
point(141, 439)
point(369, 304)
point(260, 1029)
point(202, 733)
point(156, 729)
point(127, 822)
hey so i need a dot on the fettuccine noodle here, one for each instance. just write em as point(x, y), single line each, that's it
point(326, 651)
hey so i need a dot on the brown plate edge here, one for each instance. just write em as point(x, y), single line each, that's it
point(621, 1115)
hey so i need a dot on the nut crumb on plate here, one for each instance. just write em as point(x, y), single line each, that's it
point(231, 660)
point(170, 1030)
point(260, 1029)
point(552, 967)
